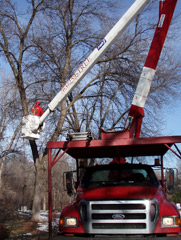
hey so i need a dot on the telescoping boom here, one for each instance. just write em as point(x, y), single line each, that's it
point(31, 124)
point(136, 112)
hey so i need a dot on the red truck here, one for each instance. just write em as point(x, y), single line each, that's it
point(135, 204)
point(118, 198)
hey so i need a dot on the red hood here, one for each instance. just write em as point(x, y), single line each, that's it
point(124, 192)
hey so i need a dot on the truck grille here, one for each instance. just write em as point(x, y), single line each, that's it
point(119, 216)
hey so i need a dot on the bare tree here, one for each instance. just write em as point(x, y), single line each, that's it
point(8, 94)
point(14, 46)
point(18, 181)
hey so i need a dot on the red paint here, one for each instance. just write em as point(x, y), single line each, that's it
point(166, 9)
point(37, 110)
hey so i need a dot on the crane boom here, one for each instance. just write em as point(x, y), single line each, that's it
point(136, 112)
point(30, 123)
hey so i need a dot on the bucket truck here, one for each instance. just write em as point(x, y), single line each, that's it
point(121, 199)
point(31, 124)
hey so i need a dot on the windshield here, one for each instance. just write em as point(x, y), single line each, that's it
point(117, 175)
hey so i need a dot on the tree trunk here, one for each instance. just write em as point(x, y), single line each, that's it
point(44, 202)
point(1, 168)
point(39, 177)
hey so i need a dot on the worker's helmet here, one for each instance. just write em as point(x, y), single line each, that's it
point(38, 103)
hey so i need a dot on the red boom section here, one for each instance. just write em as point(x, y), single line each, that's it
point(166, 12)
point(136, 112)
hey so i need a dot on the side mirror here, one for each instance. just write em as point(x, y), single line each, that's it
point(172, 179)
point(69, 183)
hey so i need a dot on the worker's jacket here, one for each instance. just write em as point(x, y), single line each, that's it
point(37, 110)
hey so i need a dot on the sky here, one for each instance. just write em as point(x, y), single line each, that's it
point(173, 119)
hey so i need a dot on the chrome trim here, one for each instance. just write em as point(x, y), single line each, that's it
point(96, 216)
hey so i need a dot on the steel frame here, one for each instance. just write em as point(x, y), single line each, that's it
point(108, 142)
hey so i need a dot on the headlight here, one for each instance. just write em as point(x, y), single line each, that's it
point(68, 222)
point(171, 221)
point(168, 221)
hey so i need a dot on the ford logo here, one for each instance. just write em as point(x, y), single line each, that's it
point(118, 216)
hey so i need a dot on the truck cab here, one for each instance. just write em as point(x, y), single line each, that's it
point(118, 197)
point(123, 199)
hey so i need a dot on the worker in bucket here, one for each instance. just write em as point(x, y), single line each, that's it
point(37, 110)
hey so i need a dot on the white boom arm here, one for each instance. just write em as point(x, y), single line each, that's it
point(30, 123)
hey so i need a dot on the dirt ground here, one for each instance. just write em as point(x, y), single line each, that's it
point(16, 227)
